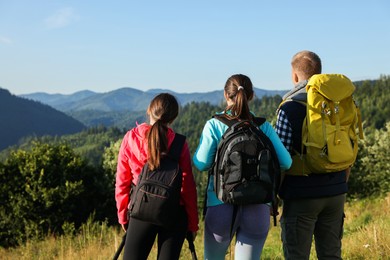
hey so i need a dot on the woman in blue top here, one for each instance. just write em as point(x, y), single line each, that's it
point(251, 223)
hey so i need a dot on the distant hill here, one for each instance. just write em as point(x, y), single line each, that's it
point(123, 107)
point(20, 117)
point(128, 99)
point(60, 99)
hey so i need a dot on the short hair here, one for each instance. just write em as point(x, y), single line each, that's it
point(307, 62)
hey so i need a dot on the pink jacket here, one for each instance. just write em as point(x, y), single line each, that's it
point(131, 158)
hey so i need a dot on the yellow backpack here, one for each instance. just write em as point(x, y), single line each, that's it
point(329, 131)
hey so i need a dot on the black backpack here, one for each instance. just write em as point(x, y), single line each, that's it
point(156, 197)
point(246, 168)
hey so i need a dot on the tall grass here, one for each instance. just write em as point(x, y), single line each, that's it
point(366, 236)
point(366, 232)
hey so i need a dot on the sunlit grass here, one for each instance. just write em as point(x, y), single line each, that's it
point(366, 236)
point(366, 232)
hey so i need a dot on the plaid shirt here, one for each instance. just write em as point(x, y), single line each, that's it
point(284, 130)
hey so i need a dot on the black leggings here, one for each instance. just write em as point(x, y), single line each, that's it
point(141, 235)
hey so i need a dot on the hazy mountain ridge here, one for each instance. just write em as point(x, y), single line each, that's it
point(58, 114)
point(128, 99)
point(60, 98)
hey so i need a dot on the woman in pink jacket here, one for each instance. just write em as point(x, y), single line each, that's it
point(140, 145)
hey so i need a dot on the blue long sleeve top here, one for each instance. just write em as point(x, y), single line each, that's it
point(207, 149)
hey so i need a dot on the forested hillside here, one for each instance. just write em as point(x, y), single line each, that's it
point(20, 117)
point(373, 98)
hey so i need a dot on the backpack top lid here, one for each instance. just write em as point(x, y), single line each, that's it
point(334, 87)
point(258, 121)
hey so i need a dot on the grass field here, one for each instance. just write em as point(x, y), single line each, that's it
point(366, 236)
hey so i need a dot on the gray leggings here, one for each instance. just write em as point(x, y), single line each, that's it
point(322, 218)
point(251, 227)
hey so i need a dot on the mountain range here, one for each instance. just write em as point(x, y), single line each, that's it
point(40, 113)
point(127, 99)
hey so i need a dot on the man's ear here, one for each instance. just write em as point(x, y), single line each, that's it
point(295, 77)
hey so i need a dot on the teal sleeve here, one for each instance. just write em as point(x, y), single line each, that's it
point(284, 156)
point(205, 153)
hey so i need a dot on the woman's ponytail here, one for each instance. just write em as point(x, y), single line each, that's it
point(157, 143)
point(163, 109)
point(239, 89)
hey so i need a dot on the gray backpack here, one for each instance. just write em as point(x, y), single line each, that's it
point(246, 168)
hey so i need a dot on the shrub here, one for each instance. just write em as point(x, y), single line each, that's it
point(43, 188)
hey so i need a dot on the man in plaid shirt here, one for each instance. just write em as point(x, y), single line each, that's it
point(313, 203)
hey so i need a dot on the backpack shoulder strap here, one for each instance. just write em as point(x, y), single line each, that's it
point(177, 146)
point(259, 120)
point(292, 99)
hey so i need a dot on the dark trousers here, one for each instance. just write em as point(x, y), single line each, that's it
point(322, 218)
point(141, 236)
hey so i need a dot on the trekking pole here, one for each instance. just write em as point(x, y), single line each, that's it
point(190, 239)
point(118, 252)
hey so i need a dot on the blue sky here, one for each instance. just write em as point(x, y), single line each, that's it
point(186, 46)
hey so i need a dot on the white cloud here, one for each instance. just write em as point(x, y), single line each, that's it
point(5, 40)
point(61, 18)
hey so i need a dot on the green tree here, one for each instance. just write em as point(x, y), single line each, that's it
point(372, 96)
point(110, 158)
point(370, 175)
point(43, 188)
point(110, 161)
point(266, 107)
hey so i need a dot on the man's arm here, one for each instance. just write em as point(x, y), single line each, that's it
point(284, 130)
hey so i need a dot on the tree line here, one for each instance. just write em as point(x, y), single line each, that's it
point(49, 184)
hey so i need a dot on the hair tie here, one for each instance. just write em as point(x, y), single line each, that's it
point(240, 87)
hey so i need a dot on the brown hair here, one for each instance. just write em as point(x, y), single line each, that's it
point(164, 109)
point(239, 88)
point(306, 62)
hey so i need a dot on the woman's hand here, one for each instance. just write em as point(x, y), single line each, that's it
point(194, 234)
point(191, 235)
point(124, 226)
